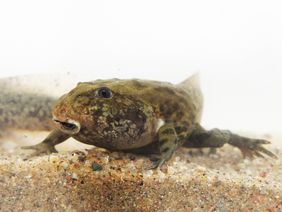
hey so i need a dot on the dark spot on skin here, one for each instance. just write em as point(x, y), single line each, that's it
point(138, 84)
point(181, 129)
point(169, 108)
point(138, 118)
point(168, 131)
point(87, 95)
point(165, 90)
point(179, 114)
point(98, 113)
point(181, 137)
point(165, 149)
point(1, 111)
point(186, 124)
point(163, 140)
point(178, 128)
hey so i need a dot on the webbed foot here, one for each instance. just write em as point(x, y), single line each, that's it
point(47, 146)
point(252, 148)
point(156, 163)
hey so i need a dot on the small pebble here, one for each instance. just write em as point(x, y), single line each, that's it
point(53, 158)
point(82, 157)
point(263, 174)
point(96, 167)
point(105, 159)
point(65, 165)
point(74, 176)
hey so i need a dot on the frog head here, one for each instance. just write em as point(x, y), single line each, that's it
point(106, 113)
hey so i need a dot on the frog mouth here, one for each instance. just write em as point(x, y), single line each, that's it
point(68, 126)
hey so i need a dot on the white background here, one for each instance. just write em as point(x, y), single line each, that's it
point(237, 46)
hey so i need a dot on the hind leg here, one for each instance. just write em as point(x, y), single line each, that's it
point(217, 138)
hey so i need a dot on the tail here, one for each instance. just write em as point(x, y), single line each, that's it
point(193, 89)
point(192, 82)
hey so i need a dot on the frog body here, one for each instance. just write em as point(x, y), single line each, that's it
point(139, 116)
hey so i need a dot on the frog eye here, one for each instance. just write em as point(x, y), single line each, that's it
point(104, 92)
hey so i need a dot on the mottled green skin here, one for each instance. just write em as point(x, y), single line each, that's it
point(140, 116)
point(131, 118)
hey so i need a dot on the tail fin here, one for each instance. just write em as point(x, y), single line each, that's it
point(193, 89)
point(193, 82)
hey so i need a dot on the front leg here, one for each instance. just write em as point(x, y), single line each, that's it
point(47, 146)
point(216, 138)
point(167, 144)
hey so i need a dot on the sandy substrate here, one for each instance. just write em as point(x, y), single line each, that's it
point(96, 179)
